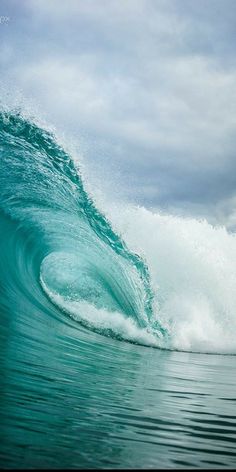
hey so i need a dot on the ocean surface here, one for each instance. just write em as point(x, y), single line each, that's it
point(118, 325)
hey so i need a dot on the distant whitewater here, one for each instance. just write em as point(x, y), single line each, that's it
point(167, 282)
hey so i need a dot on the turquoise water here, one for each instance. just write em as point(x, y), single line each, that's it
point(94, 326)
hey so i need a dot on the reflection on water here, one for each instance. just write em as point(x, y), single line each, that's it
point(72, 399)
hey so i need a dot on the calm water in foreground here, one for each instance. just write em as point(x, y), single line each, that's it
point(72, 399)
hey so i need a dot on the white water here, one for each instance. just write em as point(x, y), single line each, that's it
point(104, 321)
point(193, 271)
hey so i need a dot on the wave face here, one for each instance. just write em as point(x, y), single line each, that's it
point(61, 243)
point(62, 255)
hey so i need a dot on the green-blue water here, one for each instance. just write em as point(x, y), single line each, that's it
point(81, 384)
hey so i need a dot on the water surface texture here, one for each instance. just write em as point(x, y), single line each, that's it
point(115, 351)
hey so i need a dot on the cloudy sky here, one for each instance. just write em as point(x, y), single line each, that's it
point(148, 87)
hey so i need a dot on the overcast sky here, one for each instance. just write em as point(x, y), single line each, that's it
point(149, 86)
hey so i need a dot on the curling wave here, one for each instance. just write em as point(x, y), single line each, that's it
point(53, 237)
point(59, 253)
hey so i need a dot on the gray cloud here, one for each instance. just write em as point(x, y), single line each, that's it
point(149, 84)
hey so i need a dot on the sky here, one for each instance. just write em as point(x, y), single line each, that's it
point(147, 87)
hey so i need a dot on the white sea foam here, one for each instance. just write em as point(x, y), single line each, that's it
point(193, 271)
point(104, 321)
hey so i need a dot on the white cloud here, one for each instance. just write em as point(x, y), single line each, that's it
point(146, 77)
point(188, 107)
